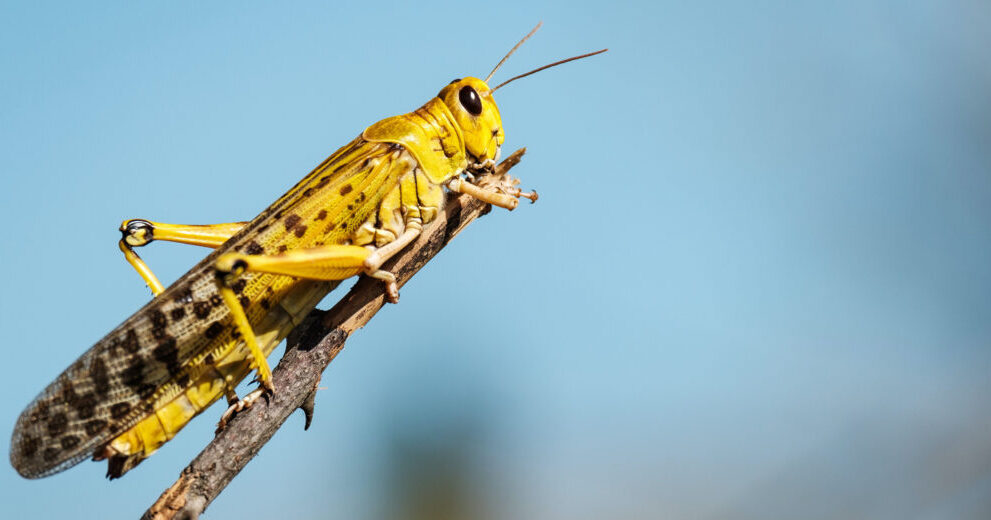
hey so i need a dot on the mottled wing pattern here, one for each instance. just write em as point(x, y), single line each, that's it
point(150, 357)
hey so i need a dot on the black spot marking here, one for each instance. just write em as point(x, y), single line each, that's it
point(120, 410)
point(201, 309)
point(361, 197)
point(101, 379)
point(50, 454)
point(158, 323)
point(291, 221)
point(254, 248)
point(69, 441)
point(309, 191)
point(146, 391)
point(167, 353)
point(131, 343)
point(85, 406)
point(322, 215)
point(69, 395)
point(346, 189)
point(128, 342)
point(266, 304)
point(238, 286)
point(40, 413)
point(300, 231)
point(58, 424)
point(245, 302)
point(214, 330)
point(178, 313)
point(94, 427)
point(216, 300)
point(29, 446)
point(283, 248)
point(133, 374)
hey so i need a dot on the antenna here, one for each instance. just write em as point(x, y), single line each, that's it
point(511, 51)
point(534, 71)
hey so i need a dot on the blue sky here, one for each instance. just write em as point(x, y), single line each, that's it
point(755, 285)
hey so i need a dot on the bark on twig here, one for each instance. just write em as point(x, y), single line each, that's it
point(310, 348)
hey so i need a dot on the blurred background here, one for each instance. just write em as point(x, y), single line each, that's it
point(756, 284)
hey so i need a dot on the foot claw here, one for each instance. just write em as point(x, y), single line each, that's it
point(244, 404)
point(391, 292)
point(263, 384)
point(532, 195)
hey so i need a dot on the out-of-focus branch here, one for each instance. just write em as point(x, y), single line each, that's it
point(310, 348)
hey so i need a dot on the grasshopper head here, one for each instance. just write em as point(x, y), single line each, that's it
point(470, 102)
point(475, 112)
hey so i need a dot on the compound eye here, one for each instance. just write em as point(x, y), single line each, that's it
point(470, 100)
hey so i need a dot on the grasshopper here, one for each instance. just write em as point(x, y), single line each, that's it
point(197, 339)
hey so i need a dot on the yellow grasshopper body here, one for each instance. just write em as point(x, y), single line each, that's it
point(196, 340)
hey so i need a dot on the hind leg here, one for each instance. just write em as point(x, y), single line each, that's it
point(140, 232)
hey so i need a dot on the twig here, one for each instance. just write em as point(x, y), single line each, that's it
point(310, 348)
